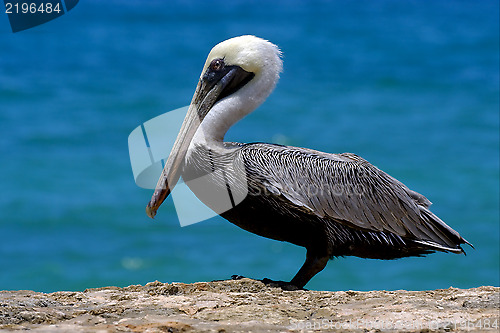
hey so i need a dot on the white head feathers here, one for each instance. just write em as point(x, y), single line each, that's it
point(255, 55)
point(251, 53)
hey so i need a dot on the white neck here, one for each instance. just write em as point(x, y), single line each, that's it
point(226, 112)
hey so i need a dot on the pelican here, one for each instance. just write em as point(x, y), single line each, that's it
point(331, 204)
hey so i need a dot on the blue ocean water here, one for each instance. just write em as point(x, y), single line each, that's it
point(411, 86)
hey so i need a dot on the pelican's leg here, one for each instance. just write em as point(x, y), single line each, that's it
point(313, 265)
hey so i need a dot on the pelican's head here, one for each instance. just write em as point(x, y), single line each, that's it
point(244, 69)
point(238, 76)
point(254, 58)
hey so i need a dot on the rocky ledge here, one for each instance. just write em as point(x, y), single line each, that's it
point(249, 305)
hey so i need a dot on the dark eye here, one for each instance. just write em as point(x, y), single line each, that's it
point(216, 64)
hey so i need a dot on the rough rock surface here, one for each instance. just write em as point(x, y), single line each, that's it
point(249, 305)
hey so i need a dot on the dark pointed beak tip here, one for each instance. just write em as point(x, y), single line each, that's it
point(150, 211)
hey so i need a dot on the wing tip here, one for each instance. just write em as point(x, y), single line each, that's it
point(457, 250)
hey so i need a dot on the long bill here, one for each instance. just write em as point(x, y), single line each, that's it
point(207, 93)
point(173, 166)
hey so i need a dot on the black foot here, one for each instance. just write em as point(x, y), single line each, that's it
point(281, 284)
